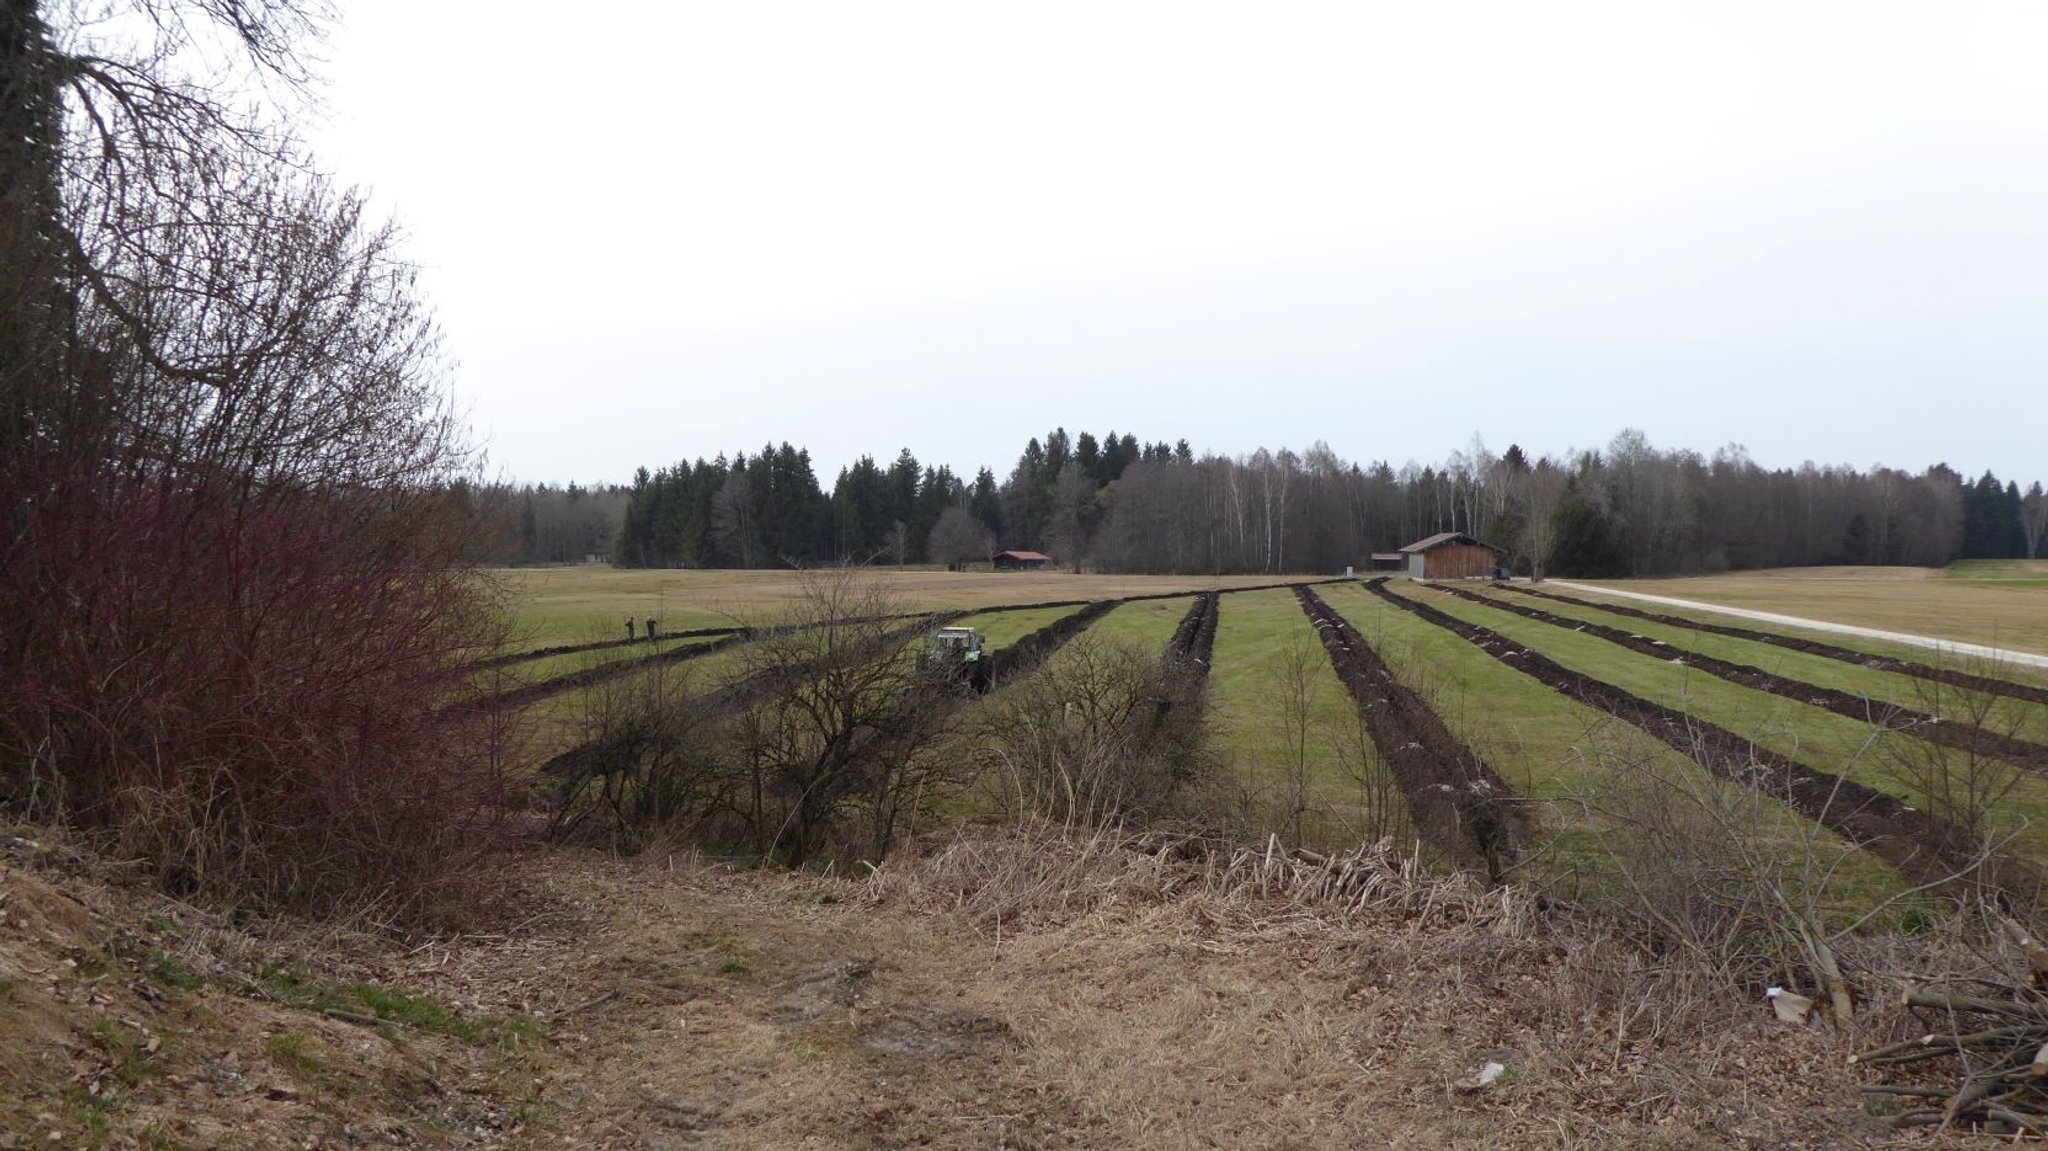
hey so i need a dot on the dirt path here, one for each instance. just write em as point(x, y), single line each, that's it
point(1944, 646)
point(999, 990)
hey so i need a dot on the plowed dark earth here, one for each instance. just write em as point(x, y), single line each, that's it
point(512, 699)
point(1458, 802)
point(519, 657)
point(1021, 657)
point(1984, 683)
point(1194, 639)
point(1923, 848)
point(1972, 738)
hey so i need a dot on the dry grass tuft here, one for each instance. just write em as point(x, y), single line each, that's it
point(1374, 877)
point(1034, 873)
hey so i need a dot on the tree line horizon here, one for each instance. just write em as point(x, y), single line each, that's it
point(1118, 504)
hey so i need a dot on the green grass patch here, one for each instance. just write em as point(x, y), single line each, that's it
point(1003, 628)
point(1570, 760)
point(1822, 739)
point(2004, 714)
point(293, 986)
point(1256, 632)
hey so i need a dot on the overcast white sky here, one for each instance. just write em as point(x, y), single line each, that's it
point(663, 230)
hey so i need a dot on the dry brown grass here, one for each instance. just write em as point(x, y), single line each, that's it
point(1004, 986)
point(1025, 987)
point(1917, 601)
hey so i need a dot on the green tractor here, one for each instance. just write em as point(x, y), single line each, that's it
point(955, 652)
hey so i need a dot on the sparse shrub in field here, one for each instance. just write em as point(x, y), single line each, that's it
point(1731, 877)
point(838, 719)
point(1963, 785)
point(824, 738)
point(652, 759)
point(1102, 734)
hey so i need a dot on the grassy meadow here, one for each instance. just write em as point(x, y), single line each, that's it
point(1302, 770)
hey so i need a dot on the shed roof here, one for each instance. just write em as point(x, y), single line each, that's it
point(1442, 538)
point(1039, 557)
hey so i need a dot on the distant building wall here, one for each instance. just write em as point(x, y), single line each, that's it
point(1456, 561)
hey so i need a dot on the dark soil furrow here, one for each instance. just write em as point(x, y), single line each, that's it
point(1920, 846)
point(498, 661)
point(1027, 653)
point(1988, 684)
point(518, 697)
point(1458, 802)
point(1195, 636)
point(1972, 738)
point(1187, 657)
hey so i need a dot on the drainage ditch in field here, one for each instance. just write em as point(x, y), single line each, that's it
point(1974, 739)
point(1458, 802)
point(1920, 846)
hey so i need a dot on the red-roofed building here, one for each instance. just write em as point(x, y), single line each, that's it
point(1016, 561)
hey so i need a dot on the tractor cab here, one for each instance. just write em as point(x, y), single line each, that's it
point(953, 647)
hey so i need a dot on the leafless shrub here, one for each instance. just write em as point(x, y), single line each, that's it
point(1725, 875)
point(1293, 691)
point(231, 567)
point(1383, 813)
point(1103, 734)
point(821, 738)
point(1962, 782)
point(837, 716)
point(651, 761)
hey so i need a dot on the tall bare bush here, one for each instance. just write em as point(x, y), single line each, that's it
point(1102, 734)
point(229, 562)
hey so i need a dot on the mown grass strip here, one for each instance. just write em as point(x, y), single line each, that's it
point(1920, 846)
point(1992, 684)
point(1458, 802)
point(1303, 777)
point(1951, 785)
point(1968, 738)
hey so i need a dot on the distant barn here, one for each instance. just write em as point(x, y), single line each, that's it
point(1389, 561)
point(1451, 555)
point(1020, 561)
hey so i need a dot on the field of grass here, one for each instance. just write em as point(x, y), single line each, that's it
point(1556, 753)
point(560, 605)
point(2001, 603)
point(1256, 633)
point(1559, 754)
point(2016, 717)
point(1822, 739)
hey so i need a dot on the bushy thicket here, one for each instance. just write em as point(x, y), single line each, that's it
point(235, 616)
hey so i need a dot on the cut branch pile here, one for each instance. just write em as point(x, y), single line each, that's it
point(1997, 1036)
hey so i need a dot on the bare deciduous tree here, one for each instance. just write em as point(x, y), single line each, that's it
point(957, 540)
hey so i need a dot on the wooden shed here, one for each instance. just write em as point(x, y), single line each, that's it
point(1451, 555)
point(1016, 561)
point(1389, 562)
